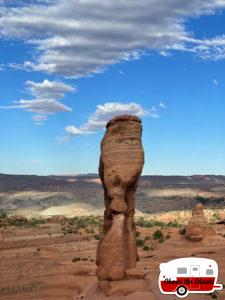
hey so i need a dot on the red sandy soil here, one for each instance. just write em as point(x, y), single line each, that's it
point(36, 263)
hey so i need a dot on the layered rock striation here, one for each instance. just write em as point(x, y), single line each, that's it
point(198, 227)
point(121, 163)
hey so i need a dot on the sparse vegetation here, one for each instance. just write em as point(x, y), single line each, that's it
point(89, 224)
point(158, 235)
point(140, 243)
point(20, 221)
point(84, 258)
point(76, 258)
point(137, 233)
point(97, 236)
point(146, 248)
point(3, 215)
point(154, 223)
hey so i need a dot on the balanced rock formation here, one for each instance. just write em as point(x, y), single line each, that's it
point(198, 227)
point(120, 166)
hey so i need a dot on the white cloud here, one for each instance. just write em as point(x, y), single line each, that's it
point(162, 105)
point(215, 81)
point(39, 118)
point(83, 37)
point(41, 106)
point(46, 100)
point(107, 111)
point(164, 53)
point(34, 161)
point(49, 89)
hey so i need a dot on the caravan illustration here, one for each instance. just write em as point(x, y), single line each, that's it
point(183, 276)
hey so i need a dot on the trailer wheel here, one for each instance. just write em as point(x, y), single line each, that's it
point(182, 291)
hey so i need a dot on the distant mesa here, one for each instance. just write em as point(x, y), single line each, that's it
point(198, 227)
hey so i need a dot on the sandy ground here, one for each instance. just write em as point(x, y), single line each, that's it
point(37, 263)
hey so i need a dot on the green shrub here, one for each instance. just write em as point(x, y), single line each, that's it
point(34, 222)
point(137, 233)
point(97, 237)
point(158, 234)
point(173, 224)
point(146, 248)
point(3, 215)
point(140, 243)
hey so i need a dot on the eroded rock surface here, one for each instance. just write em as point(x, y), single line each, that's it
point(121, 163)
point(198, 226)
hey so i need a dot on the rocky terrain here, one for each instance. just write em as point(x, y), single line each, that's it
point(55, 259)
point(52, 254)
point(83, 195)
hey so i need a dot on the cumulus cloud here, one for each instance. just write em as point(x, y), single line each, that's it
point(49, 89)
point(45, 102)
point(41, 106)
point(78, 38)
point(107, 111)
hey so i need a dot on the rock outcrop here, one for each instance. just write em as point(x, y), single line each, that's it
point(120, 166)
point(198, 227)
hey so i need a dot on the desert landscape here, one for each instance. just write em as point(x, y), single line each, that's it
point(112, 166)
point(55, 258)
point(33, 196)
point(55, 242)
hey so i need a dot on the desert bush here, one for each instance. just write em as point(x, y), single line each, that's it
point(146, 248)
point(144, 223)
point(85, 221)
point(147, 238)
point(158, 235)
point(173, 224)
point(77, 258)
point(137, 233)
point(97, 236)
point(216, 216)
point(140, 243)
point(3, 215)
point(34, 222)
point(150, 224)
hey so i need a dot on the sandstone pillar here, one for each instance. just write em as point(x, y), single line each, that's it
point(120, 166)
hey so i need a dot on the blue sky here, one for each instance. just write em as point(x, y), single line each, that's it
point(66, 67)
